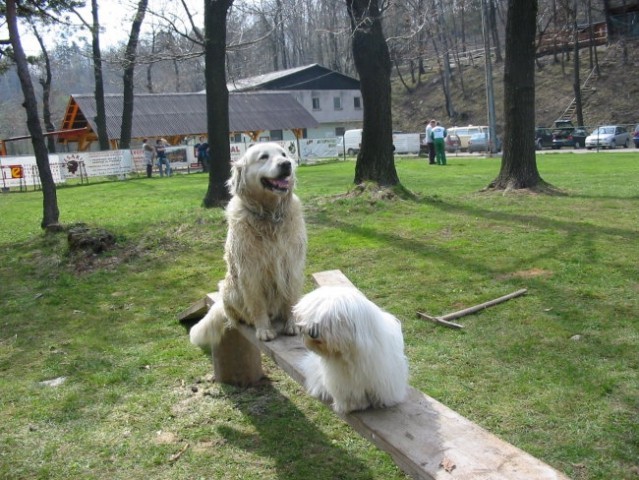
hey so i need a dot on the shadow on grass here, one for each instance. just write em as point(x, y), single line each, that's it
point(534, 220)
point(298, 448)
point(576, 233)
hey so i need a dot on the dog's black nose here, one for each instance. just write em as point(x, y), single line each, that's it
point(286, 168)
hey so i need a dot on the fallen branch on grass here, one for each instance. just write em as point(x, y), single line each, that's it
point(176, 457)
point(445, 319)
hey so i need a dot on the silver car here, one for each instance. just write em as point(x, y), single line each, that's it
point(608, 136)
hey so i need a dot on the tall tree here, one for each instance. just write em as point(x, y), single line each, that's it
point(375, 162)
point(51, 213)
point(100, 120)
point(217, 101)
point(577, 66)
point(45, 82)
point(519, 163)
point(129, 69)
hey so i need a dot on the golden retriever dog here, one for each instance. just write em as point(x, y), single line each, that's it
point(265, 249)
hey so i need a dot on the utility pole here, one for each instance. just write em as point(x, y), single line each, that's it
point(490, 97)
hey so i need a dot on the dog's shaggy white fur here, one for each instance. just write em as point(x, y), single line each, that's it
point(265, 249)
point(356, 353)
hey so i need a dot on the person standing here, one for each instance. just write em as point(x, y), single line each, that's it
point(163, 160)
point(149, 156)
point(429, 142)
point(438, 135)
point(202, 152)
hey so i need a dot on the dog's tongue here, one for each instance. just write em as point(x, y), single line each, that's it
point(280, 182)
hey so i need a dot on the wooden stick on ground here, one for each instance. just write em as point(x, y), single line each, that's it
point(445, 319)
point(440, 320)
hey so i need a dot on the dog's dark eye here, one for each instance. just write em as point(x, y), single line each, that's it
point(264, 156)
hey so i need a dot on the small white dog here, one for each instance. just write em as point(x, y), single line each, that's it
point(265, 249)
point(356, 353)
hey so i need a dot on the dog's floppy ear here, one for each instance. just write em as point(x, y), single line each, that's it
point(236, 183)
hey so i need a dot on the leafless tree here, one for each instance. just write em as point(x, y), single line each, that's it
point(217, 101)
point(519, 164)
point(45, 83)
point(129, 68)
point(51, 213)
point(375, 161)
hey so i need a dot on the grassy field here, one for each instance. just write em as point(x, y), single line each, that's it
point(555, 372)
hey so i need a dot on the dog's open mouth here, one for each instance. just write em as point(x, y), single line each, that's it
point(277, 184)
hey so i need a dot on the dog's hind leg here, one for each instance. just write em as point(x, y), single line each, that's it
point(208, 332)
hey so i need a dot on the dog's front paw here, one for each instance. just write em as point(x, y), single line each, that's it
point(265, 334)
point(290, 329)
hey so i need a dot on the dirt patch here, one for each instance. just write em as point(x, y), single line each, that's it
point(164, 438)
point(530, 273)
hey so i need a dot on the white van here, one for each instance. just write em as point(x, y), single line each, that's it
point(351, 142)
point(464, 133)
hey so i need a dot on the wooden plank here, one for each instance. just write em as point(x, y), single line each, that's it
point(196, 311)
point(421, 434)
point(332, 277)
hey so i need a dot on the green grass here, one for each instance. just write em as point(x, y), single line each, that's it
point(137, 392)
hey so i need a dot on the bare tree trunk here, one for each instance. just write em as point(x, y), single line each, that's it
point(217, 101)
point(129, 68)
point(492, 15)
point(50, 212)
point(100, 120)
point(445, 63)
point(280, 34)
point(519, 164)
point(401, 77)
point(577, 79)
point(149, 66)
point(375, 161)
point(45, 82)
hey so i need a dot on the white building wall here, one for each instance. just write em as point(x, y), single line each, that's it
point(345, 113)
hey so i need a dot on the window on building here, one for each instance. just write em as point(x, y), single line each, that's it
point(337, 103)
point(236, 138)
point(357, 103)
point(316, 103)
point(277, 135)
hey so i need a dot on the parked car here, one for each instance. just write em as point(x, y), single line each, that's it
point(608, 136)
point(452, 142)
point(479, 143)
point(635, 136)
point(565, 134)
point(464, 134)
point(543, 138)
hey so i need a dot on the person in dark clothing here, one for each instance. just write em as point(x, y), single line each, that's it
point(202, 152)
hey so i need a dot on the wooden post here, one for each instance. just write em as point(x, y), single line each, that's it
point(236, 361)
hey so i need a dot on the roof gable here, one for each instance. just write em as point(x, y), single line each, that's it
point(309, 77)
point(170, 114)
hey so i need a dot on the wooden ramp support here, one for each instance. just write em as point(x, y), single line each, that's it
point(426, 439)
